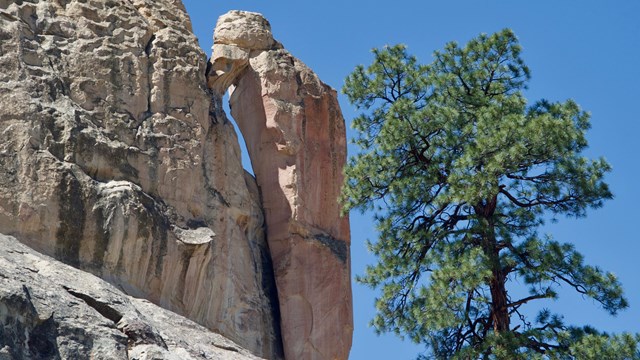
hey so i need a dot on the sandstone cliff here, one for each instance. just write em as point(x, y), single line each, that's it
point(118, 159)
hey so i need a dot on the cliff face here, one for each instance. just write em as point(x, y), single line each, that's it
point(118, 159)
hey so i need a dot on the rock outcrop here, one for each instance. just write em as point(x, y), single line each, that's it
point(117, 159)
point(49, 310)
point(295, 135)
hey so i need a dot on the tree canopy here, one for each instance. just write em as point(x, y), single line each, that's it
point(461, 172)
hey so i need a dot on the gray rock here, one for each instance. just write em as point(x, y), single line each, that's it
point(50, 310)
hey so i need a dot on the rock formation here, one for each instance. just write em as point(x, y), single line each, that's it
point(49, 310)
point(117, 159)
point(295, 136)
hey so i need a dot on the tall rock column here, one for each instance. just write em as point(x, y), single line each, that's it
point(295, 135)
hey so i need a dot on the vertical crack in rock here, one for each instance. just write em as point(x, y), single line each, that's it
point(210, 189)
point(296, 139)
point(148, 49)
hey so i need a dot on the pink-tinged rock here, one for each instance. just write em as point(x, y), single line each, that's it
point(295, 135)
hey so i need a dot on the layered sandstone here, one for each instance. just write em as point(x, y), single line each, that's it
point(117, 159)
point(295, 135)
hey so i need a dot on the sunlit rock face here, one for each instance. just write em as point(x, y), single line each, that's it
point(295, 136)
point(117, 159)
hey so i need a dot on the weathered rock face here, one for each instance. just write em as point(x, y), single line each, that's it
point(49, 310)
point(295, 135)
point(116, 159)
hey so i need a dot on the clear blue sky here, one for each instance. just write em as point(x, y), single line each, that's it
point(586, 50)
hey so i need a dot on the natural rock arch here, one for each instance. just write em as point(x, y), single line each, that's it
point(295, 136)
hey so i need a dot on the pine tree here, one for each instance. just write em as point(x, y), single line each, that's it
point(461, 172)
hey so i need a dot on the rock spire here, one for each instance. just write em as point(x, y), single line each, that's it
point(295, 135)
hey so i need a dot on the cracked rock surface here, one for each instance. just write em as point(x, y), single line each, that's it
point(49, 310)
point(117, 159)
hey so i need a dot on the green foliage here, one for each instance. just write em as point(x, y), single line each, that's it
point(460, 172)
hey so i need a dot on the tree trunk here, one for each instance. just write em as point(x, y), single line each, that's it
point(499, 311)
point(497, 285)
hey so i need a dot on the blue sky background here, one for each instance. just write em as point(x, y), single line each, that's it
point(586, 50)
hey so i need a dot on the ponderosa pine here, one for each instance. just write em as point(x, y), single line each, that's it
point(461, 172)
